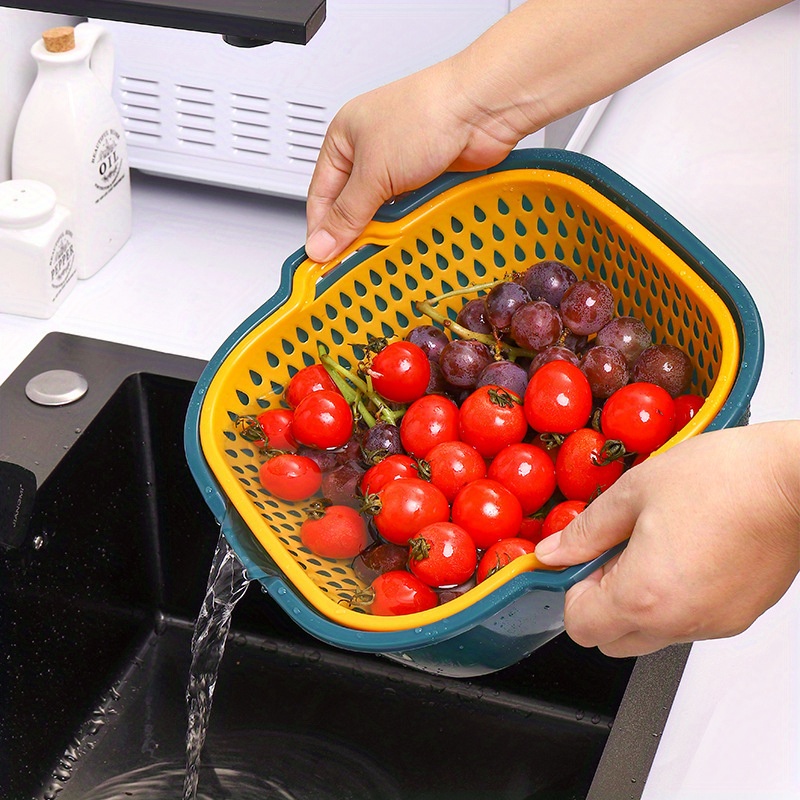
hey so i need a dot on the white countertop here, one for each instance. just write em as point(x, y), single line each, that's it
point(713, 138)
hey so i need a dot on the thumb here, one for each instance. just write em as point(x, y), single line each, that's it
point(605, 522)
point(347, 214)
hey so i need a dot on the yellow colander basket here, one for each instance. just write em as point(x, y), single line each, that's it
point(460, 230)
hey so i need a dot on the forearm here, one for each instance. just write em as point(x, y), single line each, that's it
point(547, 59)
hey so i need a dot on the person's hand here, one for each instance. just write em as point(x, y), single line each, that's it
point(714, 527)
point(395, 139)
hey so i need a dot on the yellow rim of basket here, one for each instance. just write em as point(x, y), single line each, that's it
point(214, 418)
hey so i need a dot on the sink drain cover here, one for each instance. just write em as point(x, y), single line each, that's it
point(56, 387)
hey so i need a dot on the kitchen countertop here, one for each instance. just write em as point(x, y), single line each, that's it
point(712, 137)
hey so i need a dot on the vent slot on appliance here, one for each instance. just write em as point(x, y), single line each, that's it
point(196, 123)
point(141, 109)
point(251, 129)
point(305, 131)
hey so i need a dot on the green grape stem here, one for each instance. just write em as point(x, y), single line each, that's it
point(355, 389)
point(428, 307)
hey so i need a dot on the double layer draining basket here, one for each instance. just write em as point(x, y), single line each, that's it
point(459, 230)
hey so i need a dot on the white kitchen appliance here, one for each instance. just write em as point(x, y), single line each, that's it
point(197, 108)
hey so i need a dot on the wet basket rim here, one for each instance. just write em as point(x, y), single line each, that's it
point(303, 278)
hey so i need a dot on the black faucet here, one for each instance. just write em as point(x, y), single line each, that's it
point(243, 23)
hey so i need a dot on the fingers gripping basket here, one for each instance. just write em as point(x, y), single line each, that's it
point(461, 229)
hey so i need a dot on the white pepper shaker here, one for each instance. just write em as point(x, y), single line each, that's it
point(37, 254)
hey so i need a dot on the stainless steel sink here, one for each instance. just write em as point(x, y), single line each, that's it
point(99, 589)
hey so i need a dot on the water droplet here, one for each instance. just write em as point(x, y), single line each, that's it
point(579, 715)
point(417, 630)
point(595, 719)
point(282, 590)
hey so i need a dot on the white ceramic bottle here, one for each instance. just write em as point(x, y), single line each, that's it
point(70, 136)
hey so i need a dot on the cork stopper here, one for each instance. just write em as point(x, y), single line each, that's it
point(59, 40)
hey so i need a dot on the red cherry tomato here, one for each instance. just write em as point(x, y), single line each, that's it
point(428, 421)
point(641, 415)
point(442, 555)
point(389, 469)
point(558, 398)
point(400, 592)
point(531, 529)
point(406, 506)
point(400, 372)
point(492, 417)
point(339, 532)
point(313, 378)
point(453, 465)
point(502, 553)
point(277, 426)
point(290, 476)
point(560, 515)
point(580, 471)
point(323, 419)
point(527, 472)
point(487, 511)
point(686, 406)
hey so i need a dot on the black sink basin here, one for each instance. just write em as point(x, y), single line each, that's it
point(98, 597)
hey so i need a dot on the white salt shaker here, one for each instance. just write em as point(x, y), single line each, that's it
point(37, 255)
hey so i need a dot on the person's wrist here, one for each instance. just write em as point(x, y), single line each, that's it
point(490, 100)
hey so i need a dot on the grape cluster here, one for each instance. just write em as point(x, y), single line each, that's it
point(544, 314)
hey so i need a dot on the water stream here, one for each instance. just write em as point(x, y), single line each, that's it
point(227, 584)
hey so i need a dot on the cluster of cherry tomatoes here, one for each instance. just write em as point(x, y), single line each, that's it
point(428, 492)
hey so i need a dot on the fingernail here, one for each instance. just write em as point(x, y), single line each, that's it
point(549, 545)
point(320, 246)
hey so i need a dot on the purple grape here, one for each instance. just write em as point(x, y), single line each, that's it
point(665, 365)
point(536, 325)
point(548, 280)
point(553, 353)
point(586, 307)
point(436, 383)
point(472, 316)
point(341, 485)
point(326, 460)
point(574, 342)
point(351, 450)
point(379, 441)
point(379, 558)
point(450, 593)
point(430, 339)
point(629, 335)
point(506, 374)
point(462, 361)
point(502, 301)
point(606, 370)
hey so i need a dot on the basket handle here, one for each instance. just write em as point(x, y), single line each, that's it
point(578, 573)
